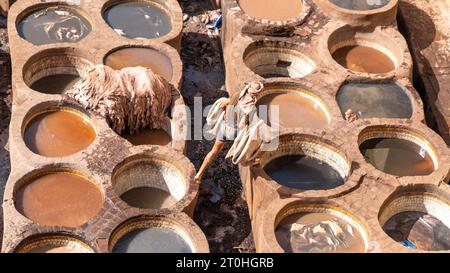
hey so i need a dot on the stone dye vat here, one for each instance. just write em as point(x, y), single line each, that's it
point(319, 229)
point(53, 24)
point(351, 55)
point(138, 19)
point(52, 243)
point(151, 183)
point(297, 108)
point(303, 172)
point(150, 137)
point(140, 56)
point(154, 235)
point(59, 198)
point(269, 10)
point(58, 133)
point(53, 71)
point(398, 152)
point(55, 84)
point(418, 217)
point(381, 100)
point(360, 5)
point(271, 60)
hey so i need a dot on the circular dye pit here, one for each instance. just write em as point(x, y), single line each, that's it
point(399, 157)
point(418, 220)
point(274, 61)
point(363, 59)
point(304, 164)
point(139, 56)
point(54, 71)
point(319, 230)
point(59, 198)
point(149, 183)
point(138, 19)
point(149, 137)
point(157, 235)
point(291, 107)
point(360, 4)
point(58, 133)
point(53, 244)
point(55, 24)
point(272, 10)
point(375, 100)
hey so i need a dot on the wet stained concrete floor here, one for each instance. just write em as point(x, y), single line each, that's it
point(221, 211)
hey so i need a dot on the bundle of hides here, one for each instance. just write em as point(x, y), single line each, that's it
point(253, 132)
point(133, 98)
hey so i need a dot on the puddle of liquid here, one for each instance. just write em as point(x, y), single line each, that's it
point(148, 198)
point(360, 4)
point(152, 240)
point(303, 172)
point(59, 199)
point(138, 20)
point(53, 249)
point(55, 84)
point(145, 57)
point(397, 157)
point(54, 25)
point(423, 230)
point(295, 111)
point(272, 10)
point(363, 59)
point(318, 233)
point(58, 134)
point(150, 137)
point(375, 100)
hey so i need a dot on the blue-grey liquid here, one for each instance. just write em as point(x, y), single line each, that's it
point(303, 172)
point(360, 4)
point(375, 100)
point(152, 240)
point(138, 20)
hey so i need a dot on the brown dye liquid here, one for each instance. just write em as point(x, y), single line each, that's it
point(53, 249)
point(360, 4)
point(58, 134)
point(318, 233)
point(145, 57)
point(363, 59)
point(280, 10)
point(59, 199)
point(53, 25)
point(397, 157)
point(150, 137)
point(303, 172)
point(422, 230)
point(375, 100)
point(295, 111)
point(55, 84)
point(148, 198)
